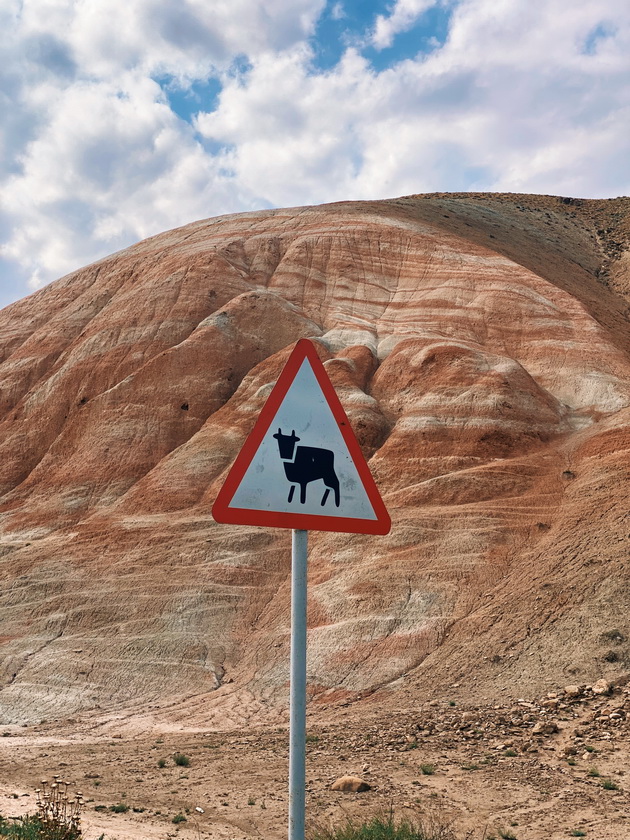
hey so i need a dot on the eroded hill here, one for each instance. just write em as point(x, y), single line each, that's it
point(480, 345)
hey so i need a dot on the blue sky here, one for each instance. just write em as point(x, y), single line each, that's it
point(119, 120)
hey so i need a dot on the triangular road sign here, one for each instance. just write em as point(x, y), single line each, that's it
point(301, 466)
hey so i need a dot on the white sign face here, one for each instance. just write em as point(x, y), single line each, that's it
point(302, 464)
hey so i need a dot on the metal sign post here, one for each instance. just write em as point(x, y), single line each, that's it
point(297, 725)
point(336, 493)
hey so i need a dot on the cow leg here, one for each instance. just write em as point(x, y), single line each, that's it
point(303, 493)
point(291, 492)
point(325, 496)
point(332, 483)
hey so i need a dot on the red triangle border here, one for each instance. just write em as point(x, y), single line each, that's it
point(222, 510)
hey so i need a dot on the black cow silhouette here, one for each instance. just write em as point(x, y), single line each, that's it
point(303, 464)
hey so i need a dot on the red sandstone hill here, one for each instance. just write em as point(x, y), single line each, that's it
point(481, 347)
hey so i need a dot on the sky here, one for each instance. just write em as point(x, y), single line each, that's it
point(120, 119)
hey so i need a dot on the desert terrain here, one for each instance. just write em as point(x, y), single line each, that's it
point(480, 345)
point(543, 770)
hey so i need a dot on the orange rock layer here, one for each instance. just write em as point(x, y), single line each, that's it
point(480, 346)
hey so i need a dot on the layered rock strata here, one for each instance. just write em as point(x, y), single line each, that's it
point(481, 349)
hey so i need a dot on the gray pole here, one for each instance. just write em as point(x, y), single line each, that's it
point(297, 731)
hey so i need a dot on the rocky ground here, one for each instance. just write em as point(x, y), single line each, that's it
point(546, 769)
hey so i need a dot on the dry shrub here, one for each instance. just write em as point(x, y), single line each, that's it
point(58, 812)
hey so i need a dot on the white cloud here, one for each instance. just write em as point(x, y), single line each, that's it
point(337, 12)
point(184, 37)
point(467, 115)
point(404, 15)
point(520, 97)
point(109, 169)
point(93, 156)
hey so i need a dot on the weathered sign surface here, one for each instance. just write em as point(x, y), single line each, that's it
point(301, 466)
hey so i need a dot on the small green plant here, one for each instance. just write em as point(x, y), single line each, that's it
point(162, 763)
point(29, 827)
point(609, 784)
point(577, 832)
point(511, 753)
point(120, 808)
point(571, 762)
point(251, 801)
point(179, 818)
point(181, 760)
point(593, 771)
point(452, 703)
point(589, 748)
point(506, 834)
point(385, 827)
point(427, 769)
point(470, 767)
point(312, 739)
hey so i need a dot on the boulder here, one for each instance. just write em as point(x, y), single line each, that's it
point(545, 727)
point(573, 691)
point(350, 784)
point(601, 687)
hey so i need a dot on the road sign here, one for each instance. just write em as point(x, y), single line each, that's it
point(301, 466)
